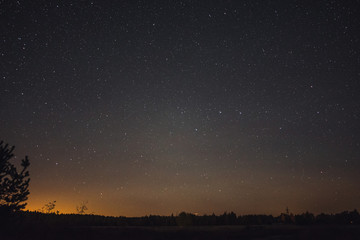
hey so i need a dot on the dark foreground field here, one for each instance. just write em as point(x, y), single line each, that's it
point(188, 233)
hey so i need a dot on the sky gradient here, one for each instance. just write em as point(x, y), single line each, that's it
point(158, 107)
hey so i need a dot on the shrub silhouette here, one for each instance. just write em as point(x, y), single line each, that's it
point(13, 184)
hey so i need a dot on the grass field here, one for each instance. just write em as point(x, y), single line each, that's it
point(188, 233)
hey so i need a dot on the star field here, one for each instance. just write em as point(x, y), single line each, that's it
point(157, 107)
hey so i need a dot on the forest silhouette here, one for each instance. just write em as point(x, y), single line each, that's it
point(14, 193)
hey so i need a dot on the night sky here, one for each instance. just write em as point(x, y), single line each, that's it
point(158, 107)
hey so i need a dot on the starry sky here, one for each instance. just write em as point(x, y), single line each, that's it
point(157, 107)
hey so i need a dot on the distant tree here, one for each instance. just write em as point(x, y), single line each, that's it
point(305, 218)
point(13, 184)
point(227, 219)
point(185, 219)
point(48, 207)
point(82, 208)
point(354, 217)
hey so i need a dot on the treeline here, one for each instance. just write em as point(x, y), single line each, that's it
point(183, 219)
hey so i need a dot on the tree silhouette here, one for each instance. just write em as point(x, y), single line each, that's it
point(48, 207)
point(82, 208)
point(13, 184)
